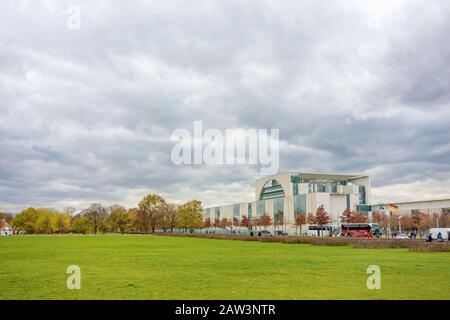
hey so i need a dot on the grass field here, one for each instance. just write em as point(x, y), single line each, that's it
point(159, 267)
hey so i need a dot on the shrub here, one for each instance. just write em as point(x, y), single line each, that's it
point(430, 247)
point(365, 243)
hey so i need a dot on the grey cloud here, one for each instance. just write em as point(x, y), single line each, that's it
point(87, 115)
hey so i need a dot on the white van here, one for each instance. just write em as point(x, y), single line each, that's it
point(6, 231)
point(435, 231)
point(322, 231)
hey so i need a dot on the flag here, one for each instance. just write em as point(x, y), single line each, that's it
point(393, 207)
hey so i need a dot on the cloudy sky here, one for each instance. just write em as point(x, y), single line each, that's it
point(86, 114)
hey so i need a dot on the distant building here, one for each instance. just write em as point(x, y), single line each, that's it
point(285, 195)
point(6, 230)
point(440, 206)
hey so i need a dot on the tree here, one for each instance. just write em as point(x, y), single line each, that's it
point(350, 216)
point(265, 220)
point(245, 222)
point(322, 217)
point(417, 220)
point(225, 223)
point(392, 223)
point(381, 219)
point(310, 218)
point(169, 217)
point(43, 222)
point(60, 222)
point(207, 223)
point(300, 220)
point(151, 209)
point(407, 222)
point(26, 221)
point(2, 223)
point(80, 224)
point(132, 212)
point(7, 217)
point(444, 221)
point(141, 221)
point(427, 222)
point(190, 215)
point(378, 217)
point(347, 216)
point(120, 218)
point(96, 217)
point(360, 218)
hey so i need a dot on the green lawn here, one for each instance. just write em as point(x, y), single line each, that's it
point(157, 267)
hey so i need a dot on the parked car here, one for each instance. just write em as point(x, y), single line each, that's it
point(401, 235)
point(281, 233)
point(264, 233)
point(443, 231)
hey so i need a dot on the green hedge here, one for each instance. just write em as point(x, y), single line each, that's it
point(411, 244)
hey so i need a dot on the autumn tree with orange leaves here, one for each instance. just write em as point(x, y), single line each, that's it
point(322, 217)
point(300, 220)
point(265, 220)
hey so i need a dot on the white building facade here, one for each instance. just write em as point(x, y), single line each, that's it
point(286, 195)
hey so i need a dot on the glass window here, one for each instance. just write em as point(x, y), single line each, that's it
point(318, 187)
point(363, 208)
point(295, 178)
point(236, 211)
point(207, 213)
point(295, 189)
point(347, 198)
point(250, 211)
point(299, 204)
point(362, 195)
point(217, 216)
point(272, 189)
point(260, 207)
point(278, 210)
point(321, 187)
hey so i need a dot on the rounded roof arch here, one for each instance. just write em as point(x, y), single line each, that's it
point(272, 188)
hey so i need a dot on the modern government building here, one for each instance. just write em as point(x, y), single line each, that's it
point(285, 195)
